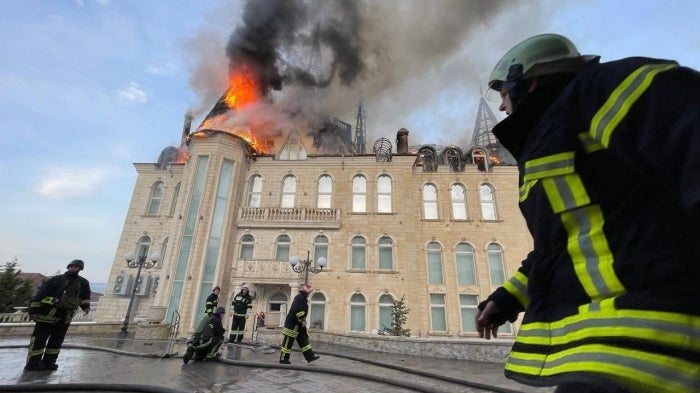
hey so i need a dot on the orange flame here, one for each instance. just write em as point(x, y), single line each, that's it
point(243, 88)
point(495, 160)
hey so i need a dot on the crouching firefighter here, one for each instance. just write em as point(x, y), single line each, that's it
point(295, 327)
point(207, 338)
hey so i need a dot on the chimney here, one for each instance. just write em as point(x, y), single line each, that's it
point(402, 141)
point(187, 126)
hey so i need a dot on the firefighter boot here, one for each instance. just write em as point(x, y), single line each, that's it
point(49, 361)
point(34, 364)
point(310, 356)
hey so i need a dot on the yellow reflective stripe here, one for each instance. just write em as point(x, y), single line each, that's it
point(517, 286)
point(300, 314)
point(556, 164)
point(565, 192)
point(306, 348)
point(621, 100)
point(590, 145)
point(590, 253)
point(655, 371)
point(601, 320)
point(525, 189)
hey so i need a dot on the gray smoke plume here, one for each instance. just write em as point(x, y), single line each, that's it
point(398, 56)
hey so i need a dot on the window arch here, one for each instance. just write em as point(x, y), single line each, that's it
point(144, 246)
point(294, 148)
point(289, 191)
point(464, 260)
point(386, 306)
point(357, 313)
point(384, 194)
point(494, 253)
point(247, 247)
point(283, 244)
point(156, 197)
point(434, 255)
point(276, 301)
point(488, 202)
point(430, 202)
point(386, 253)
point(255, 185)
point(359, 194)
point(173, 205)
point(458, 197)
point(163, 250)
point(358, 252)
point(317, 310)
point(325, 190)
point(321, 247)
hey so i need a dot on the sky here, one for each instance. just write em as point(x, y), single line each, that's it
point(89, 87)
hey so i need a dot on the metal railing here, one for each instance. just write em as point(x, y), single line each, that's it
point(271, 216)
point(21, 316)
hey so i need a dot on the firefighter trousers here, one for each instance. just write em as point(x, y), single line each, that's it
point(46, 341)
point(302, 339)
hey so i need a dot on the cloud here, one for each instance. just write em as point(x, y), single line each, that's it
point(69, 182)
point(161, 70)
point(132, 93)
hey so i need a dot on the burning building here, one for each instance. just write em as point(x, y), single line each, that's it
point(255, 185)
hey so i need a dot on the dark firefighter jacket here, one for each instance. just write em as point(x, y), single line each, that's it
point(213, 328)
point(211, 304)
point(297, 313)
point(610, 190)
point(241, 304)
point(43, 304)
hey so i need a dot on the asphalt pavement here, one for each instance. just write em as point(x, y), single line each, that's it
point(113, 363)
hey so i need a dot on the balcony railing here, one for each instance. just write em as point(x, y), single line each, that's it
point(277, 217)
point(21, 315)
point(265, 270)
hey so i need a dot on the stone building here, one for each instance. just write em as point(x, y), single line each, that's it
point(433, 225)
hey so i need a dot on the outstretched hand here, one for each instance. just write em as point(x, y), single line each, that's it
point(484, 319)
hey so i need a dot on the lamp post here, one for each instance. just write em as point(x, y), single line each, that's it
point(307, 265)
point(141, 262)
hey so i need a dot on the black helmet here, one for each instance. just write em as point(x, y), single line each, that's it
point(218, 311)
point(76, 262)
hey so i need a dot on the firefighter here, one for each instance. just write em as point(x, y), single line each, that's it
point(608, 155)
point(212, 301)
point(52, 310)
point(207, 338)
point(295, 327)
point(241, 306)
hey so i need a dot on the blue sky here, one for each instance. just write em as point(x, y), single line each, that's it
point(89, 87)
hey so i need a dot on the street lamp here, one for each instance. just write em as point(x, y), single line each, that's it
point(140, 262)
point(307, 265)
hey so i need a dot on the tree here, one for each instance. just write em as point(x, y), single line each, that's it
point(14, 290)
point(399, 315)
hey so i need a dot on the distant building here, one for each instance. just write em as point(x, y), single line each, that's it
point(437, 225)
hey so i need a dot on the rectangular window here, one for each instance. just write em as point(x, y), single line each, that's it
point(435, 268)
point(438, 320)
point(467, 306)
point(357, 318)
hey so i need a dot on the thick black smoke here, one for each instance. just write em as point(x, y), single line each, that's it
point(277, 36)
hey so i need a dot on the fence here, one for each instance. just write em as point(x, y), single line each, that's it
point(21, 316)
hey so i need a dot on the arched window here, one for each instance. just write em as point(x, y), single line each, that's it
point(386, 305)
point(320, 247)
point(438, 317)
point(289, 191)
point(467, 307)
point(357, 313)
point(488, 202)
point(325, 190)
point(384, 194)
point(255, 184)
point(156, 197)
point(317, 310)
point(163, 250)
point(430, 202)
point(276, 301)
point(283, 244)
point(176, 194)
point(143, 247)
point(464, 259)
point(247, 247)
point(386, 253)
point(496, 268)
point(359, 246)
point(359, 194)
point(434, 256)
point(458, 196)
point(294, 148)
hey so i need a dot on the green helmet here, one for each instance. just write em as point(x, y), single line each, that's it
point(539, 55)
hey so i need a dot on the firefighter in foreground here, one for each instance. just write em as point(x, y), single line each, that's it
point(52, 310)
point(241, 306)
point(212, 301)
point(295, 327)
point(609, 160)
point(207, 338)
